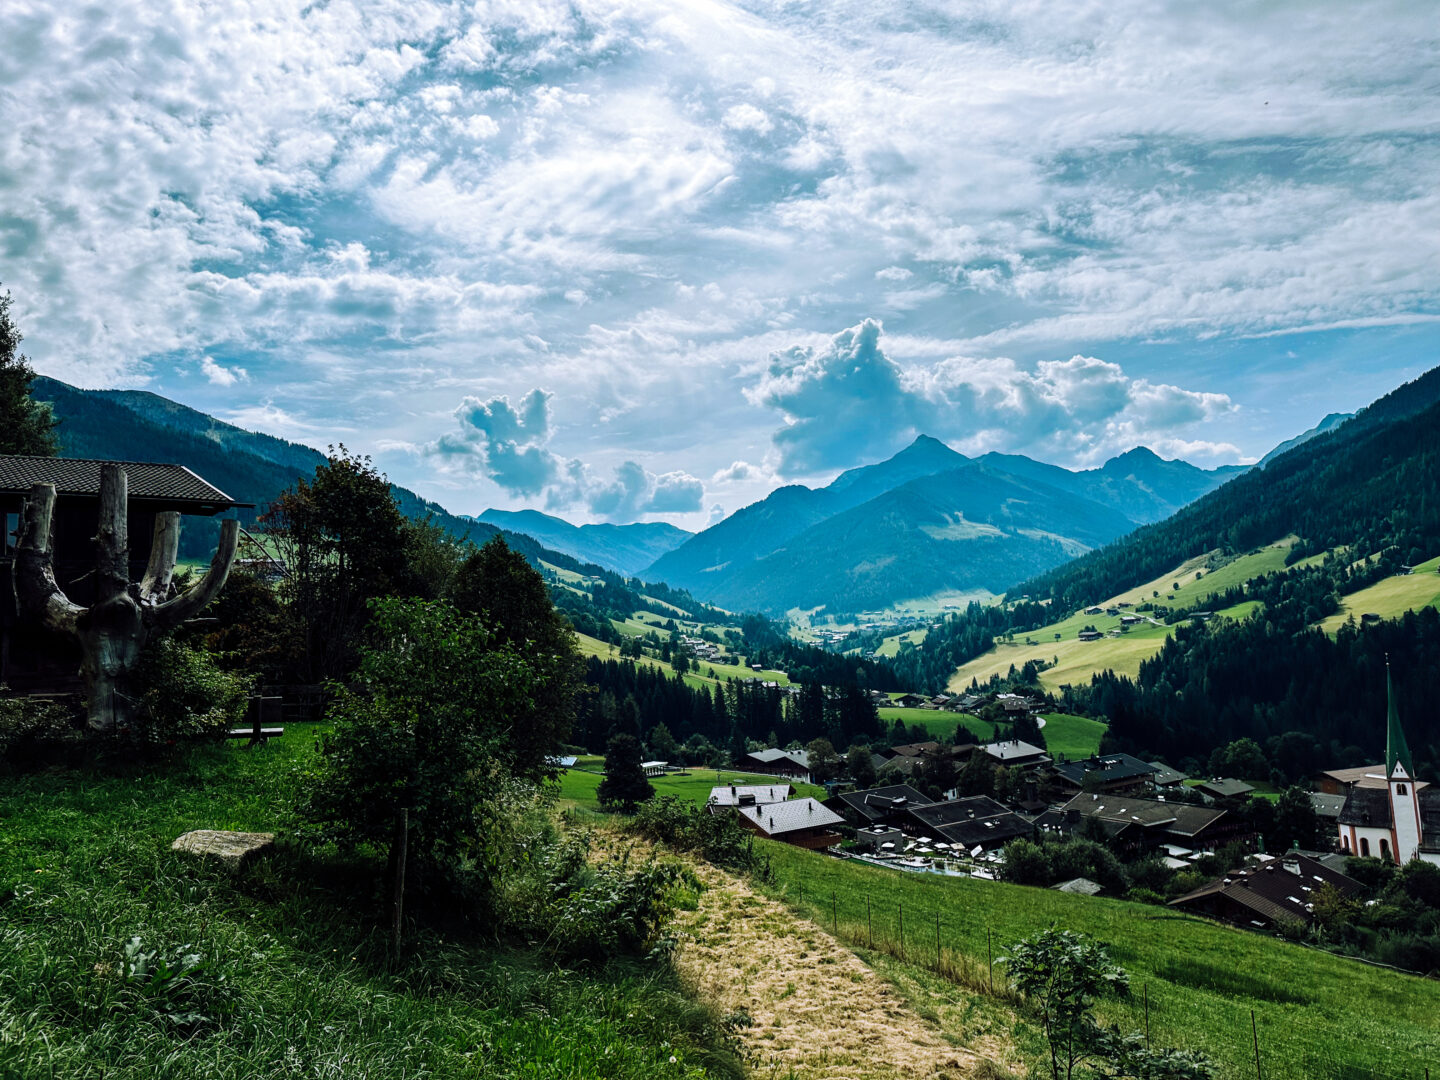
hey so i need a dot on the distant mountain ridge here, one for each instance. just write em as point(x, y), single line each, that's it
point(627, 549)
point(926, 520)
point(1330, 423)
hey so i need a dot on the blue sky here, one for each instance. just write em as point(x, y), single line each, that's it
point(624, 260)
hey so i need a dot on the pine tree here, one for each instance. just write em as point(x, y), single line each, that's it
point(625, 785)
point(26, 426)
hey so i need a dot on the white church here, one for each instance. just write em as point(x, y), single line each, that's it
point(1390, 815)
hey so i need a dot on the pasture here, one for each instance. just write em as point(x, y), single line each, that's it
point(1390, 597)
point(577, 788)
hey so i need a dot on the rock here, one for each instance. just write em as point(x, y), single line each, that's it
point(232, 849)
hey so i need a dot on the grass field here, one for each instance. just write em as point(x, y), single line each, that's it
point(294, 978)
point(1072, 736)
point(1319, 1016)
point(1195, 590)
point(1391, 597)
point(697, 677)
point(891, 645)
point(578, 787)
point(941, 725)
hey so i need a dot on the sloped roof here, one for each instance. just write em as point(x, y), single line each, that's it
point(798, 757)
point(875, 803)
point(730, 794)
point(145, 480)
point(966, 809)
point(1274, 891)
point(1107, 768)
point(1080, 885)
point(1014, 750)
point(787, 817)
point(1225, 788)
point(977, 819)
point(1165, 775)
point(1179, 818)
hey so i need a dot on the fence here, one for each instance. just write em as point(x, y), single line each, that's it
point(924, 938)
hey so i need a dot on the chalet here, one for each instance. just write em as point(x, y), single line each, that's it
point(1089, 635)
point(974, 822)
point(1224, 788)
point(910, 701)
point(1340, 781)
point(1093, 610)
point(727, 795)
point(1016, 754)
point(792, 764)
point(1392, 815)
point(1166, 777)
point(1110, 772)
point(1265, 897)
point(1139, 825)
point(804, 823)
point(31, 659)
point(877, 806)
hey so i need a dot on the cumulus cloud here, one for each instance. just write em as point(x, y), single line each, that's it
point(849, 402)
point(221, 375)
point(508, 444)
point(739, 471)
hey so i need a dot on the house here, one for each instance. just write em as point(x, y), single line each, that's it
point(792, 764)
point(1093, 611)
point(1224, 788)
point(804, 823)
point(1089, 635)
point(1340, 781)
point(1017, 754)
point(32, 660)
point(881, 838)
point(974, 822)
point(654, 768)
point(1392, 815)
point(1327, 807)
point(1111, 772)
point(1135, 826)
point(1269, 895)
point(727, 795)
point(910, 701)
point(877, 806)
point(1166, 777)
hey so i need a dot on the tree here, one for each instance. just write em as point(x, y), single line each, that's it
point(860, 764)
point(343, 542)
point(663, 744)
point(824, 761)
point(1296, 823)
point(424, 726)
point(1062, 974)
point(625, 785)
point(26, 425)
point(978, 775)
point(510, 594)
point(1025, 864)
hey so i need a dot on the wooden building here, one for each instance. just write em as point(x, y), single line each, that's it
point(32, 660)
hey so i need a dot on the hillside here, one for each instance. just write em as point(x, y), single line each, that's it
point(886, 533)
point(626, 549)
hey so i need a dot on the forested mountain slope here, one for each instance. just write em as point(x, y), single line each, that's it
point(627, 549)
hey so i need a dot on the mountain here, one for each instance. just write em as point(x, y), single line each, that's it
point(133, 425)
point(1367, 483)
point(799, 547)
point(1330, 423)
point(627, 549)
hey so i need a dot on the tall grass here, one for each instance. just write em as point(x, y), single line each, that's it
point(278, 972)
point(1318, 1016)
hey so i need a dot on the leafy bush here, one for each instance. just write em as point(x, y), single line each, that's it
point(717, 838)
point(186, 694)
point(177, 986)
point(27, 725)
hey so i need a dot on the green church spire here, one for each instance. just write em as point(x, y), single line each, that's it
point(1395, 749)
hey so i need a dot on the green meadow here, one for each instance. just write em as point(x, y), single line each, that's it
point(1390, 597)
point(578, 787)
point(1318, 1016)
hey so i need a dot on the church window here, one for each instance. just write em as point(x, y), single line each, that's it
point(1385, 849)
point(1365, 846)
point(1345, 843)
point(1400, 789)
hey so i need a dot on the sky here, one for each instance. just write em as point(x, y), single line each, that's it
point(625, 260)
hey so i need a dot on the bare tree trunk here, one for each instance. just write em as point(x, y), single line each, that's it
point(113, 631)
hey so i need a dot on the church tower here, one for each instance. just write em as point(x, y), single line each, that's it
point(1400, 776)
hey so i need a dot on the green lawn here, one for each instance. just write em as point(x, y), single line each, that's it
point(1073, 737)
point(891, 645)
point(940, 724)
point(694, 785)
point(295, 979)
point(1319, 1016)
point(1390, 597)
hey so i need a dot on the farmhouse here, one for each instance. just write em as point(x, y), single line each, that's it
point(1224, 788)
point(1017, 754)
point(792, 764)
point(1090, 635)
point(32, 660)
point(728, 795)
point(1267, 896)
point(1390, 814)
point(1340, 781)
point(804, 823)
point(1166, 777)
point(1138, 825)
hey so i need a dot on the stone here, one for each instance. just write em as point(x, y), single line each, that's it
point(231, 849)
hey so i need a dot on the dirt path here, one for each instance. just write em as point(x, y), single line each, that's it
point(819, 1012)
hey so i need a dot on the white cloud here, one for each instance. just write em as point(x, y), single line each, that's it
point(221, 375)
point(747, 117)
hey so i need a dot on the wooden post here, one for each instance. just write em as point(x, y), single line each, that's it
point(902, 931)
point(937, 941)
point(990, 957)
point(402, 841)
point(869, 923)
point(1145, 990)
point(834, 914)
point(1255, 1034)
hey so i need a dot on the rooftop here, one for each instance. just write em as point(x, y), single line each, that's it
point(145, 481)
point(793, 816)
point(1107, 768)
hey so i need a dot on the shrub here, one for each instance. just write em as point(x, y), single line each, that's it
point(717, 838)
point(27, 725)
point(186, 694)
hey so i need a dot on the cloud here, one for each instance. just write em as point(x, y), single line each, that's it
point(848, 402)
point(221, 375)
point(739, 471)
point(508, 444)
point(747, 118)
